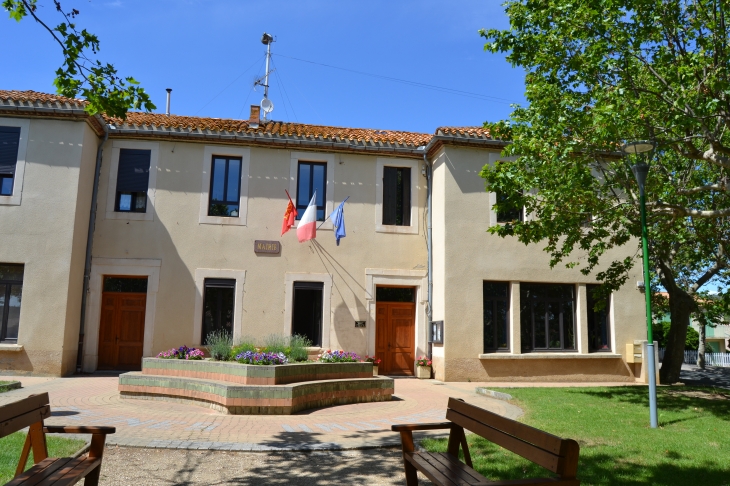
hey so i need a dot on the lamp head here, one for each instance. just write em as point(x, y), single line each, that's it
point(267, 39)
point(637, 147)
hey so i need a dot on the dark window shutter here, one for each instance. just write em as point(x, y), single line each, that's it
point(134, 170)
point(390, 192)
point(9, 140)
point(406, 181)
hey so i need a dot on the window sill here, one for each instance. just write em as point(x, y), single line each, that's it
point(391, 228)
point(129, 215)
point(10, 200)
point(13, 348)
point(223, 220)
point(551, 356)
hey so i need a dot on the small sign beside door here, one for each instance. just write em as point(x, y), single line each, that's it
point(264, 246)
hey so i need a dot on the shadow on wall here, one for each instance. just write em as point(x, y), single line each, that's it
point(347, 288)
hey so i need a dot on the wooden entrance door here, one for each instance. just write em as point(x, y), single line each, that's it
point(395, 337)
point(121, 331)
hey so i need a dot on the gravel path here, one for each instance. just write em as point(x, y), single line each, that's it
point(125, 466)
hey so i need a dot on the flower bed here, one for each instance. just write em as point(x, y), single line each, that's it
point(183, 352)
point(256, 374)
point(239, 388)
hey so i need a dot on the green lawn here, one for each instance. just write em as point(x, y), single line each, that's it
point(11, 446)
point(691, 446)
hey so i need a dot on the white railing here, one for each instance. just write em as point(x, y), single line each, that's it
point(711, 359)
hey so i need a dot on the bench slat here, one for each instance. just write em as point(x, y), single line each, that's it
point(541, 439)
point(529, 451)
point(458, 469)
point(20, 407)
point(435, 475)
point(40, 471)
point(82, 468)
point(62, 472)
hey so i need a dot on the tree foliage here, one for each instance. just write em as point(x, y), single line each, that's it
point(81, 73)
point(599, 73)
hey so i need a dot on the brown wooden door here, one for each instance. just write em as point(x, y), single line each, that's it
point(395, 336)
point(121, 331)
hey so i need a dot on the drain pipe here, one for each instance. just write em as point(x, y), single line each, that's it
point(89, 244)
point(429, 245)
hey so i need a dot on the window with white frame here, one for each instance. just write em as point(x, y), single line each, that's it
point(396, 199)
point(13, 145)
point(224, 195)
point(132, 180)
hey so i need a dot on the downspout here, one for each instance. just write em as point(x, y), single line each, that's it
point(429, 245)
point(89, 244)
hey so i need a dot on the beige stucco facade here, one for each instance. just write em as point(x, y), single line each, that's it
point(45, 229)
point(465, 255)
point(177, 246)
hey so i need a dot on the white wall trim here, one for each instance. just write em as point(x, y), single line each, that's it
point(381, 163)
point(149, 214)
point(293, 172)
point(515, 334)
point(118, 266)
point(226, 151)
point(406, 278)
point(327, 311)
point(200, 275)
point(14, 199)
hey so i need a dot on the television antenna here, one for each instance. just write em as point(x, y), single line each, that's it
point(267, 106)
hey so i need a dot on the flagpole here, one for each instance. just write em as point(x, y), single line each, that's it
point(328, 217)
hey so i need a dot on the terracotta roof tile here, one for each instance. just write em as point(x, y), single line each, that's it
point(36, 97)
point(466, 132)
point(275, 128)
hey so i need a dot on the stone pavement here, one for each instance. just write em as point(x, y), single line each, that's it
point(94, 400)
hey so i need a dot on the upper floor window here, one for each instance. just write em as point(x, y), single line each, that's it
point(311, 178)
point(11, 290)
point(547, 315)
point(508, 215)
point(225, 187)
point(133, 175)
point(397, 196)
point(9, 143)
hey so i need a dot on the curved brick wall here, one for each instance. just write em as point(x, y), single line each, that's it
point(256, 399)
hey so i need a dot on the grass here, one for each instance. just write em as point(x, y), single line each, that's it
point(691, 445)
point(11, 446)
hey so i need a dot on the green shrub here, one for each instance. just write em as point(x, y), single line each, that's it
point(298, 348)
point(276, 343)
point(660, 330)
point(219, 345)
point(244, 344)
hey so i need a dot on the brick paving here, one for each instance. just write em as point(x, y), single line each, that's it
point(94, 400)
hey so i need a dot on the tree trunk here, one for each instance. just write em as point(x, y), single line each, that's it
point(681, 306)
point(701, 348)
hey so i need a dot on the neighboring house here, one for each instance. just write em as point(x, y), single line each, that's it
point(715, 337)
point(187, 241)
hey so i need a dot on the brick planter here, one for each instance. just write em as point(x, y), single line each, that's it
point(236, 388)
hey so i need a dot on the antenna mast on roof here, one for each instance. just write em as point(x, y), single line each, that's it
point(266, 105)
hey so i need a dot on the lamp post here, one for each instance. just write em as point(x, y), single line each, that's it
point(641, 170)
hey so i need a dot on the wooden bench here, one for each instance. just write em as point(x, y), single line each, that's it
point(558, 455)
point(30, 412)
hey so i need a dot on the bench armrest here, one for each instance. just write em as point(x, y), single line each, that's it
point(432, 426)
point(74, 429)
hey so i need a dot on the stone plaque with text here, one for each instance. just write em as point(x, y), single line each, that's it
point(263, 246)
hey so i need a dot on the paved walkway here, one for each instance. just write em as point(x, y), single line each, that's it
point(94, 400)
point(710, 376)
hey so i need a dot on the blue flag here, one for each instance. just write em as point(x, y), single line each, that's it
point(338, 220)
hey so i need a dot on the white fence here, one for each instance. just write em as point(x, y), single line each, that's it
point(711, 359)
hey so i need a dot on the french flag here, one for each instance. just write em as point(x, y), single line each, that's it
point(307, 228)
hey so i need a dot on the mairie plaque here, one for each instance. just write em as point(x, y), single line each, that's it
point(264, 246)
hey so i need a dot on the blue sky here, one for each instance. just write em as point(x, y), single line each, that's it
point(210, 52)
